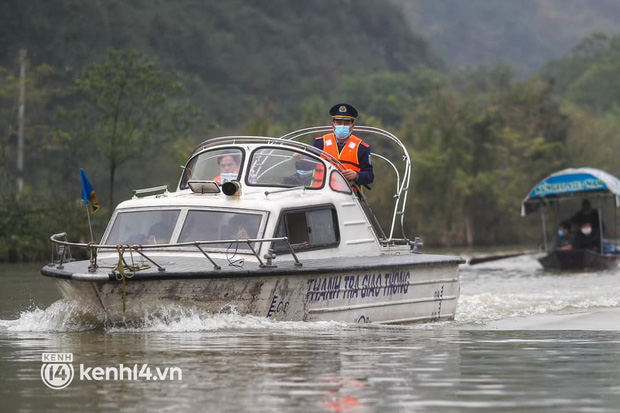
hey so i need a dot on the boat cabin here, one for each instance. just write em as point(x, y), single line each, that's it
point(251, 195)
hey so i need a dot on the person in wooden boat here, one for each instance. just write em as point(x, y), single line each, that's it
point(564, 239)
point(352, 151)
point(229, 168)
point(587, 228)
point(588, 238)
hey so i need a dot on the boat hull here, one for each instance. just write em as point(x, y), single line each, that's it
point(399, 291)
point(579, 260)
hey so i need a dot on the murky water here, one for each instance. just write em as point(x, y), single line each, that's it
point(523, 340)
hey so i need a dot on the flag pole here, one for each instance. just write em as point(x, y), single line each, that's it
point(90, 200)
point(90, 227)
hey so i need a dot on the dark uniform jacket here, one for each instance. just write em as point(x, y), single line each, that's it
point(362, 165)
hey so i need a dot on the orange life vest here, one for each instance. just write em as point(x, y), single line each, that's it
point(348, 155)
point(318, 176)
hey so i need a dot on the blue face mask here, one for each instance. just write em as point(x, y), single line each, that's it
point(228, 176)
point(302, 172)
point(561, 233)
point(342, 131)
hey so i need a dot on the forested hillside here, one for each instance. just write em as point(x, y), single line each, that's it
point(240, 52)
point(127, 89)
point(523, 33)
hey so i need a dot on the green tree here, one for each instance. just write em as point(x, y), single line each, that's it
point(8, 114)
point(391, 97)
point(476, 154)
point(588, 76)
point(27, 221)
point(38, 92)
point(597, 88)
point(594, 140)
point(125, 106)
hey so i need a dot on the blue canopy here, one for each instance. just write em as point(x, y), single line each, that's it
point(570, 183)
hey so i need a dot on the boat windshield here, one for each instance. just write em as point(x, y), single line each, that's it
point(143, 227)
point(220, 165)
point(285, 167)
point(201, 225)
point(157, 227)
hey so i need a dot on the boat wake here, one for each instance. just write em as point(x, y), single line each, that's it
point(72, 316)
point(482, 308)
point(501, 290)
point(61, 316)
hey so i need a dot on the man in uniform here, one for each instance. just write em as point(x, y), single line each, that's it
point(352, 152)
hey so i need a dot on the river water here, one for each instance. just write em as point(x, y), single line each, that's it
point(524, 340)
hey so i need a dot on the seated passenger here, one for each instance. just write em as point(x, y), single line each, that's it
point(229, 168)
point(564, 240)
point(308, 173)
point(236, 228)
point(588, 238)
point(159, 234)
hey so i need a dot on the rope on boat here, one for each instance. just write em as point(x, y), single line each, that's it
point(122, 271)
point(231, 262)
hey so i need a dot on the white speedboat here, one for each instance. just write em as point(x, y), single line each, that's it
point(284, 237)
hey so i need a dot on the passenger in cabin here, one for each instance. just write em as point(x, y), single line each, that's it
point(159, 234)
point(564, 239)
point(346, 147)
point(237, 227)
point(588, 238)
point(587, 227)
point(308, 173)
point(229, 168)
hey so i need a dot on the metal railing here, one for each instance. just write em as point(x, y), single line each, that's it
point(61, 250)
point(402, 180)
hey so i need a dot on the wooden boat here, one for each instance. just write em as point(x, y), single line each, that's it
point(264, 241)
point(577, 184)
point(579, 260)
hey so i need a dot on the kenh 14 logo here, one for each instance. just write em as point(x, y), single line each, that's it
point(57, 370)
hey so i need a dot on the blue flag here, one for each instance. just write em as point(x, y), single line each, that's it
point(88, 193)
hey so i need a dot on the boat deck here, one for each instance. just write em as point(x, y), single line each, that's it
point(184, 267)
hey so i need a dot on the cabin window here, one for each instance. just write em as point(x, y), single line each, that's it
point(286, 168)
point(218, 225)
point(308, 229)
point(338, 183)
point(143, 227)
point(218, 165)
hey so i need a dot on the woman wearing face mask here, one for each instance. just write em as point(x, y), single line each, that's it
point(564, 239)
point(588, 238)
point(352, 152)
